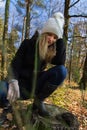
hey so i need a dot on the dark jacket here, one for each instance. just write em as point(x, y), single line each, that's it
point(23, 62)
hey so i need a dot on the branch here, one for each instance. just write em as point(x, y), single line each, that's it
point(76, 37)
point(84, 16)
point(74, 3)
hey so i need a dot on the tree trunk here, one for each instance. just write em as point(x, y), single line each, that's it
point(27, 24)
point(70, 64)
point(23, 29)
point(66, 15)
point(4, 42)
point(83, 81)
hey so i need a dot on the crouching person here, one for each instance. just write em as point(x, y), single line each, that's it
point(45, 47)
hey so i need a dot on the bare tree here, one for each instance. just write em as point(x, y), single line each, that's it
point(4, 40)
point(27, 19)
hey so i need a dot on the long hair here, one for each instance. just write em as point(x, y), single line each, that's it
point(46, 52)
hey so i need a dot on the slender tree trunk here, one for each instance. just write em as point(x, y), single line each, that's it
point(66, 15)
point(23, 29)
point(70, 63)
point(27, 28)
point(83, 81)
point(4, 40)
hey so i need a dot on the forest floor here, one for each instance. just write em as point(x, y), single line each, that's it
point(67, 96)
point(74, 100)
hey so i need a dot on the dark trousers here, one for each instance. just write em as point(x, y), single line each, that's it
point(50, 80)
point(3, 93)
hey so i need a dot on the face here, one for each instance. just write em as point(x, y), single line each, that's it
point(51, 38)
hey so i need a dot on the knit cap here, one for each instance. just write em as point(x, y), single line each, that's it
point(54, 25)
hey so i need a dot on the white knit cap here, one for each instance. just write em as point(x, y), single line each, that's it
point(54, 25)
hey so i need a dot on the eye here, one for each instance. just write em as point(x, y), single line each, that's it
point(55, 37)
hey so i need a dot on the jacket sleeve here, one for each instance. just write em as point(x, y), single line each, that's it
point(17, 62)
point(60, 57)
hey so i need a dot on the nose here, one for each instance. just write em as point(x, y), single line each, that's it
point(52, 40)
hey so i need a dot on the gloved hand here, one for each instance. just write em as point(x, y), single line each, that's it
point(13, 91)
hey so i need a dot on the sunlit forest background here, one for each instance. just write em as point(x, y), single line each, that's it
point(19, 19)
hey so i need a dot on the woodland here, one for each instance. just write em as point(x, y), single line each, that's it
point(19, 19)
